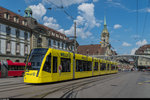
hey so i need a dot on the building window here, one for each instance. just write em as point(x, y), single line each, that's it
point(6, 16)
point(16, 19)
point(8, 46)
point(53, 34)
point(26, 49)
point(25, 35)
point(49, 43)
point(54, 44)
point(39, 42)
point(17, 48)
point(57, 35)
point(8, 30)
point(66, 46)
point(0, 27)
point(17, 33)
point(61, 37)
point(24, 22)
point(62, 45)
point(58, 45)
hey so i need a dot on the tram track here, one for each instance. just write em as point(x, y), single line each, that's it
point(70, 88)
point(10, 86)
point(53, 89)
point(67, 88)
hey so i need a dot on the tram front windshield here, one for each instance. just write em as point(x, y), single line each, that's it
point(35, 58)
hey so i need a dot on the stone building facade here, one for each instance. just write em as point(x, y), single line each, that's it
point(145, 51)
point(18, 35)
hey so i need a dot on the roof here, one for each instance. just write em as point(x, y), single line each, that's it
point(12, 15)
point(141, 50)
point(91, 49)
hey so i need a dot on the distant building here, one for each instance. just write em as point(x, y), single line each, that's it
point(145, 51)
point(18, 35)
point(98, 49)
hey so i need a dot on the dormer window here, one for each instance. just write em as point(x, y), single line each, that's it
point(24, 22)
point(57, 35)
point(53, 34)
point(64, 38)
point(6, 16)
point(16, 19)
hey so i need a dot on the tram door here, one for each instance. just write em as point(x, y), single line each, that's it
point(4, 69)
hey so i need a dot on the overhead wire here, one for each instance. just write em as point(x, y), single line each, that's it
point(137, 17)
point(142, 35)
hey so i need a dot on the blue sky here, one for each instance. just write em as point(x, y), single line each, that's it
point(127, 33)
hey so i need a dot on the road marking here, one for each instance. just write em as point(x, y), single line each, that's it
point(140, 83)
point(144, 82)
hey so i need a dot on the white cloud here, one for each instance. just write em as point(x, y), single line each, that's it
point(126, 44)
point(140, 43)
point(133, 51)
point(85, 21)
point(51, 22)
point(112, 3)
point(95, 0)
point(116, 26)
point(65, 3)
point(38, 11)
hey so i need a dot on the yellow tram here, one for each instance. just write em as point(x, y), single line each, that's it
point(52, 65)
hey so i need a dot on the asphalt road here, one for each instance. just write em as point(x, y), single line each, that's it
point(122, 85)
point(130, 85)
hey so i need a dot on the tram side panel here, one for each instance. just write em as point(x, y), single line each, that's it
point(65, 66)
point(61, 67)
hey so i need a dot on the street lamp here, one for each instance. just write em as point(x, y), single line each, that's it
point(72, 37)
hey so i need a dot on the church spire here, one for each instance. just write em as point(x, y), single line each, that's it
point(105, 25)
point(105, 35)
point(104, 20)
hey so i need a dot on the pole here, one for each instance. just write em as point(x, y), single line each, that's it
point(74, 50)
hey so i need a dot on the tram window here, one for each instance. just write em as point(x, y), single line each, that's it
point(108, 66)
point(65, 63)
point(96, 66)
point(89, 66)
point(112, 67)
point(103, 66)
point(116, 67)
point(54, 64)
point(79, 65)
point(47, 65)
point(84, 66)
